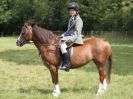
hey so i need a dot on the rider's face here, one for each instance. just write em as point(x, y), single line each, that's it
point(72, 12)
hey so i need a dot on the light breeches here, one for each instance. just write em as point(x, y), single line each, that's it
point(63, 47)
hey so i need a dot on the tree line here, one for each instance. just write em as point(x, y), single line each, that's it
point(52, 14)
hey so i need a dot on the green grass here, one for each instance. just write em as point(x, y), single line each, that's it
point(23, 76)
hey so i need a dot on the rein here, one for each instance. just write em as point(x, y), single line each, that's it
point(55, 44)
point(49, 44)
point(46, 45)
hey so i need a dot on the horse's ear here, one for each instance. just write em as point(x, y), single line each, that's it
point(30, 23)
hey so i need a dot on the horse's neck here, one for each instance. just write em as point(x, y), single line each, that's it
point(42, 36)
point(40, 41)
point(49, 52)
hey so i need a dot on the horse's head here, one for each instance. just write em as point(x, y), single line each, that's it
point(26, 34)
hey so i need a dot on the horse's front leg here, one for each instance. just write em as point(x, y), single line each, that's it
point(54, 74)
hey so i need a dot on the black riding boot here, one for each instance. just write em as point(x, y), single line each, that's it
point(65, 62)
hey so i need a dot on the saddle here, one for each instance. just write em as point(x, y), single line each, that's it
point(69, 50)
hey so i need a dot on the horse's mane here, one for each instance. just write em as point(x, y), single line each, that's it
point(44, 35)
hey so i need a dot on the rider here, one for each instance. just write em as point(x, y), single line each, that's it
point(72, 35)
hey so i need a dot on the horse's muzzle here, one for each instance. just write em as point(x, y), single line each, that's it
point(19, 43)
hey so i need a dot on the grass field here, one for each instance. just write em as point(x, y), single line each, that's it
point(23, 76)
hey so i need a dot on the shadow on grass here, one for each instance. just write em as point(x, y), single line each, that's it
point(32, 90)
point(21, 57)
point(82, 89)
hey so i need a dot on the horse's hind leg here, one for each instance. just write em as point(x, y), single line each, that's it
point(102, 77)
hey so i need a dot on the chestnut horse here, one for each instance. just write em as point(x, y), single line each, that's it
point(47, 44)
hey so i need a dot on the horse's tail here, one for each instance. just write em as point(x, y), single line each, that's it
point(109, 67)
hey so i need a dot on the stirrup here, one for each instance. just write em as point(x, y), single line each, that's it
point(64, 68)
point(59, 66)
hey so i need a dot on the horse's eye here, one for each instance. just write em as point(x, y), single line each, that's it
point(23, 33)
point(26, 26)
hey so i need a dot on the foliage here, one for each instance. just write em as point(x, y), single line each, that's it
point(52, 14)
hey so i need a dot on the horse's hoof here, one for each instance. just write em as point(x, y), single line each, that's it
point(56, 94)
point(101, 92)
point(98, 93)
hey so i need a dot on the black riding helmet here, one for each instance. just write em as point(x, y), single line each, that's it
point(73, 5)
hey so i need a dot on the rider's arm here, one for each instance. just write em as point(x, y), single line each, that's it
point(78, 27)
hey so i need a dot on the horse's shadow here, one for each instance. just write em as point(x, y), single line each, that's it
point(30, 90)
point(82, 89)
point(21, 57)
point(92, 90)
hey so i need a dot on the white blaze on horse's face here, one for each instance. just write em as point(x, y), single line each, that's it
point(20, 36)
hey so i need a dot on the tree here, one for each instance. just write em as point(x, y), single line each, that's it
point(52, 14)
